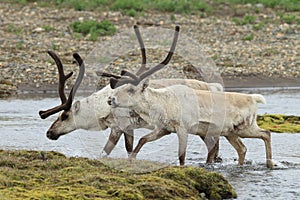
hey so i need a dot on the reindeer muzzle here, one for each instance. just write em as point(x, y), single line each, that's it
point(52, 136)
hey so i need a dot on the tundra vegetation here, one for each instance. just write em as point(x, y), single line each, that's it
point(180, 6)
point(279, 123)
point(28, 175)
point(200, 7)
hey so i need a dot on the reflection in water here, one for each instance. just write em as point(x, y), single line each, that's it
point(21, 128)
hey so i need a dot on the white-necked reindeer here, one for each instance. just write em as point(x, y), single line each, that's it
point(185, 110)
point(93, 112)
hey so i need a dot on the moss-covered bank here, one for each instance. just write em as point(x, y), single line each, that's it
point(279, 123)
point(28, 175)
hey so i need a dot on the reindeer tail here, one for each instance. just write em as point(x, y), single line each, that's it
point(259, 98)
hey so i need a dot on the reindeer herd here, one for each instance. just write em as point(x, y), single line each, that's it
point(165, 106)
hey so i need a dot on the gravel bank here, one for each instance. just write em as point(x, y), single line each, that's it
point(271, 58)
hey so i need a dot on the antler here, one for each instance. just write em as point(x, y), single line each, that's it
point(135, 79)
point(143, 50)
point(62, 78)
point(65, 103)
point(104, 74)
point(144, 60)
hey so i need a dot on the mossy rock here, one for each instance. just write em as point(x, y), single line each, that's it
point(32, 175)
point(279, 123)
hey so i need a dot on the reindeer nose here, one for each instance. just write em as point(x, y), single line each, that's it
point(52, 136)
point(111, 100)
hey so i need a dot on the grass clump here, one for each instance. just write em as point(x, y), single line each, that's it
point(93, 28)
point(247, 19)
point(13, 29)
point(290, 19)
point(279, 123)
point(249, 37)
point(82, 5)
point(128, 6)
point(288, 5)
point(182, 6)
point(258, 26)
point(48, 28)
point(28, 175)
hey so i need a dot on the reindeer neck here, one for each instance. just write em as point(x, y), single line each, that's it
point(150, 98)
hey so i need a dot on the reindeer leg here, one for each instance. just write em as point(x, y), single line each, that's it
point(241, 149)
point(154, 135)
point(213, 154)
point(217, 158)
point(267, 139)
point(212, 144)
point(265, 135)
point(182, 140)
point(112, 141)
point(129, 141)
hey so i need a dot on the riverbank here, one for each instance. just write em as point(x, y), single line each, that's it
point(50, 175)
point(251, 45)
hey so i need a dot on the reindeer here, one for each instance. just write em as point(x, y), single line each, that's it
point(184, 110)
point(93, 112)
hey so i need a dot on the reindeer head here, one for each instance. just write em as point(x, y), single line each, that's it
point(130, 88)
point(65, 123)
point(128, 96)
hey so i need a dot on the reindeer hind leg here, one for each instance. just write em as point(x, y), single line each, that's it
point(241, 149)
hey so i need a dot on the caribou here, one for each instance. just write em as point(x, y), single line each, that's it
point(184, 110)
point(93, 112)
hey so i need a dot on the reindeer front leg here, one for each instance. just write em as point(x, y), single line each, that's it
point(154, 135)
point(112, 141)
point(182, 141)
point(129, 141)
point(213, 154)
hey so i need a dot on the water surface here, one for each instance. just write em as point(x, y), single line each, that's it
point(21, 128)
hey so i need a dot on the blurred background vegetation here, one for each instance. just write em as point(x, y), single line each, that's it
point(132, 7)
point(242, 12)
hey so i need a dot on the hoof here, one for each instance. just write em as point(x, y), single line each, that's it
point(271, 164)
point(218, 159)
point(103, 154)
point(132, 156)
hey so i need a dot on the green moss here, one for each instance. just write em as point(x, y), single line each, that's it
point(32, 175)
point(93, 28)
point(249, 37)
point(212, 184)
point(279, 123)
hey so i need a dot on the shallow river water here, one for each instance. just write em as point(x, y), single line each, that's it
point(21, 128)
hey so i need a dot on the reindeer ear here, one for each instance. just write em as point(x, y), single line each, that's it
point(145, 84)
point(113, 82)
point(76, 106)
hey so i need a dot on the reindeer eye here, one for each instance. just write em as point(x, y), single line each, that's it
point(64, 116)
point(130, 90)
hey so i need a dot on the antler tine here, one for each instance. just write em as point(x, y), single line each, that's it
point(114, 83)
point(144, 59)
point(104, 74)
point(135, 80)
point(68, 103)
point(79, 60)
point(166, 60)
point(129, 74)
point(62, 77)
point(47, 113)
point(143, 50)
